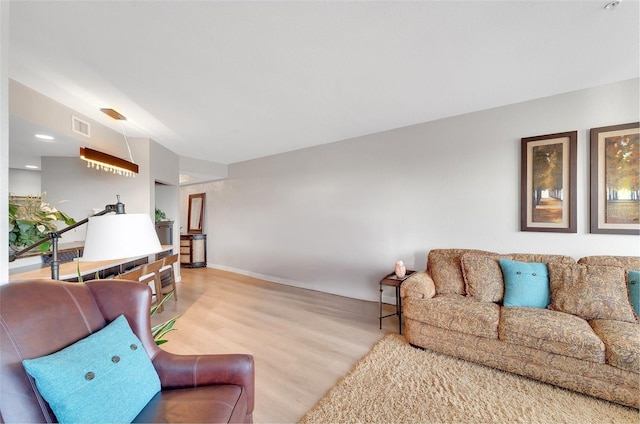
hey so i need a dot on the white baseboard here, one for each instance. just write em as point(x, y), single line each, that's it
point(258, 275)
point(280, 280)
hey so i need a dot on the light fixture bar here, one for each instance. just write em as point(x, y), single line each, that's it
point(114, 114)
point(106, 162)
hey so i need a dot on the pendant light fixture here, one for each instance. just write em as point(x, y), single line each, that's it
point(106, 162)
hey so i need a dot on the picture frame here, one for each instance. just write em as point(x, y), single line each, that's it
point(615, 175)
point(548, 172)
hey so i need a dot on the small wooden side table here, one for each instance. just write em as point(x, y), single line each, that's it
point(392, 280)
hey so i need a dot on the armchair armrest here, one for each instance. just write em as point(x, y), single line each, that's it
point(419, 285)
point(182, 371)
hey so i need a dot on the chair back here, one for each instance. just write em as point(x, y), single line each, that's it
point(168, 276)
point(170, 260)
point(40, 317)
point(131, 275)
point(152, 267)
point(152, 273)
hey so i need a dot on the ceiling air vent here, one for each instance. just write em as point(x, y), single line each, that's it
point(81, 127)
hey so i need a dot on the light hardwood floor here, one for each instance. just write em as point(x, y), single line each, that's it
point(303, 341)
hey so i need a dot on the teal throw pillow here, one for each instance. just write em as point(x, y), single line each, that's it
point(633, 283)
point(106, 377)
point(525, 284)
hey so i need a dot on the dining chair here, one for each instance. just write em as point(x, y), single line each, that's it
point(132, 275)
point(168, 276)
point(142, 275)
point(151, 273)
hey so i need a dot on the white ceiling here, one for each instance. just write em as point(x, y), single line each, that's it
point(232, 81)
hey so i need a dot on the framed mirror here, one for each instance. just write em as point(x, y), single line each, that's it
point(196, 213)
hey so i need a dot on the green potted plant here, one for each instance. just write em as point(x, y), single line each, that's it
point(164, 227)
point(160, 215)
point(160, 330)
point(31, 219)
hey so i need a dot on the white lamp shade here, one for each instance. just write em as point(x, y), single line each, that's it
point(120, 237)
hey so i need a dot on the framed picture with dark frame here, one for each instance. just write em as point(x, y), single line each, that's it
point(615, 179)
point(548, 183)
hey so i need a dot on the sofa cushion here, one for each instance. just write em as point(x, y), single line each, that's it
point(206, 404)
point(456, 313)
point(483, 276)
point(590, 291)
point(551, 331)
point(542, 258)
point(525, 284)
point(626, 262)
point(445, 267)
point(105, 377)
point(621, 341)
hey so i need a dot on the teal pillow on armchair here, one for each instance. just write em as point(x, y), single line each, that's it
point(526, 284)
point(106, 377)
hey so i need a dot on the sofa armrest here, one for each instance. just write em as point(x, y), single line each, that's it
point(419, 285)
point(183, 371)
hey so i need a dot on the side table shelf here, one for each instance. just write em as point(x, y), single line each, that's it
point(193, 250)
point(392, 281)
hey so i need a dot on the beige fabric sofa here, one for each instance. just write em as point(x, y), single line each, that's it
point(587, 340)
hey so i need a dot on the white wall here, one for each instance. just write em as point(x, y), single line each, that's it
point(24, 183)
point(336, 217)
point(194, 170)
point(165, 165)
point(4, 140)
point(165, 171)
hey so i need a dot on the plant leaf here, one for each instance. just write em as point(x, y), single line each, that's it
point(160, 330)
point(154, 308)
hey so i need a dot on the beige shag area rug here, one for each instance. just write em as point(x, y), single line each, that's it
point(397, 383)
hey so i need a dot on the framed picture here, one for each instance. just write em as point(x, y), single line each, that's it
point(615, 175)
point(548, 183)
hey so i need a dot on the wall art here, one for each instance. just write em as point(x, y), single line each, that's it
point(548, 183)
point(615, 175)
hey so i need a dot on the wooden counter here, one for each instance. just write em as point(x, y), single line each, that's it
point(68, 271)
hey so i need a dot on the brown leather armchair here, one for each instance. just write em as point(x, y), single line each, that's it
point(39, 317)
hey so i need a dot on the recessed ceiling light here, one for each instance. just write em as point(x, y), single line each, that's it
point(45, 137)
point(31, 166)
